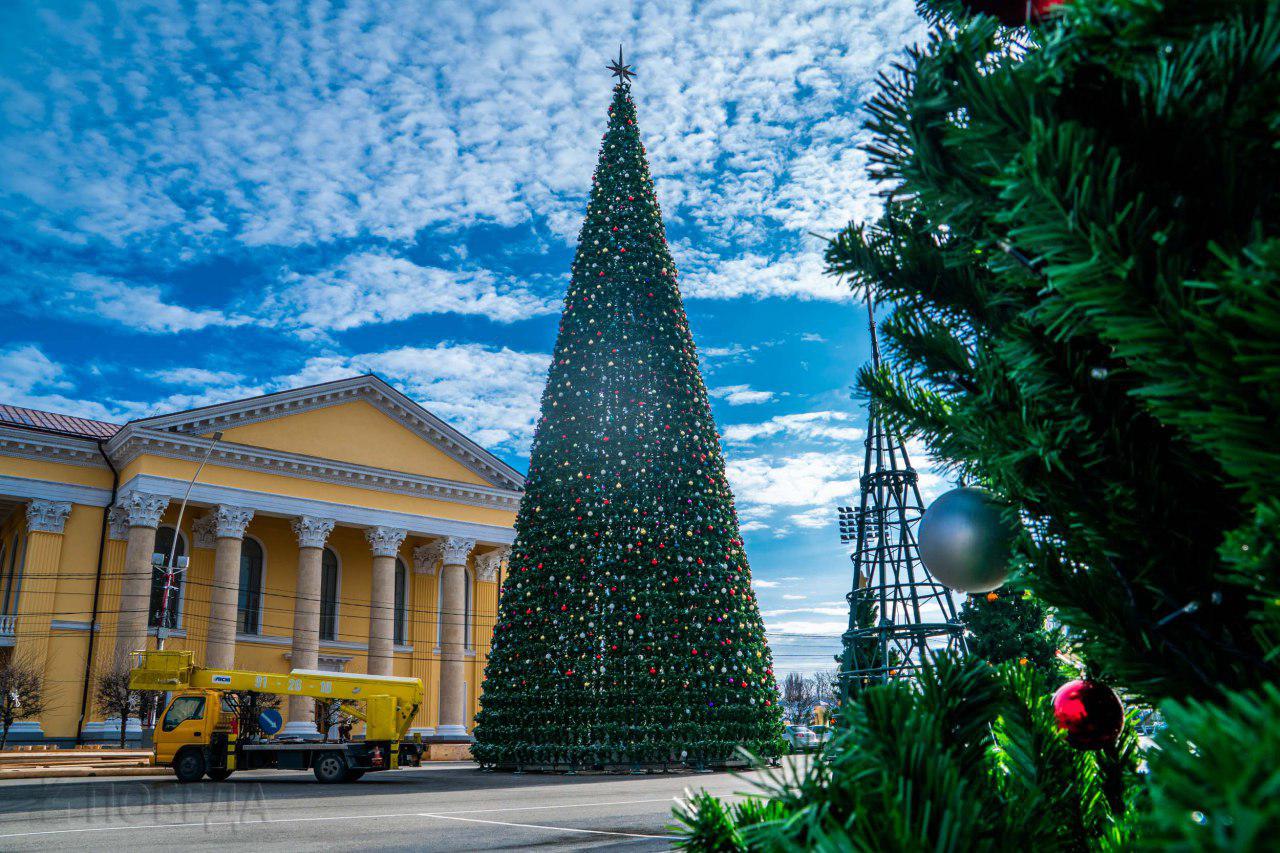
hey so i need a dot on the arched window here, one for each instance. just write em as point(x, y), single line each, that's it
point(249, 607)
point(164, 542)
point(329, 595)
point(400, 629)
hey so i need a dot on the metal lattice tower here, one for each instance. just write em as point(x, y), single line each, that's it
point(898, 614)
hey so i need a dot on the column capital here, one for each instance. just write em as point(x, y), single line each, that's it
point(205, 531)
point(118, 522)
point(47, 516)
point(231, 521)
point(457, 549)
point(427, 557)
point(487, 565)
point(142, 509)
point(385, 541)
point(312, 532)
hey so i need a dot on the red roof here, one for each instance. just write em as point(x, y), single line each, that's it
point(54, 422)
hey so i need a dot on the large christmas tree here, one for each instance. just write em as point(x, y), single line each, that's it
point(628, 633)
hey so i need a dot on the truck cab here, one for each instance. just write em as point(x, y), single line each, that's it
point(191, 719)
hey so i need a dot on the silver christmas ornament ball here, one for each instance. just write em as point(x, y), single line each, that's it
point(965, 542)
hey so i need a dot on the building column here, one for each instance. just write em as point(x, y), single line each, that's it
point(38, 581)
point(489, 573)
point(104, 639)
point(385, 542)
point(453, 694)
point(143, 513)
point(312, 534)
point(426, 558)
point(229, 523)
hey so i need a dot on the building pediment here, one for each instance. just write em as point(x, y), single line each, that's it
point(181, 427)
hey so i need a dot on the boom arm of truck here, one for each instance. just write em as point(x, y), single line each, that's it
point(390, 702)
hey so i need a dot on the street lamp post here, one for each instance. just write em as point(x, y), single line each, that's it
point(173, 566)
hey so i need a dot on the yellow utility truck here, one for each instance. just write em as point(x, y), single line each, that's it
point(199, 734)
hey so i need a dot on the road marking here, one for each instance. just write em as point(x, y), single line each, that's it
point(204, 823)
point(564, 806)
point(544, 826)
point(442, 815)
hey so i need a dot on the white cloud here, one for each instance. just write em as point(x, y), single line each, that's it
point(731, 351)
point(709, 275)
point(377, 287)
point(197, 376)
point(819, 516)
point(823, 425)
point(29, 378)
point(375, 122)
point(764, 584)
point(764, 484)
point(790, 597)
point(740, 395)
point(825, 610)
point(136, 307)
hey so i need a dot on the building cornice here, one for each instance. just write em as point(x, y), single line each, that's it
point(136, 441)
point(289, 506)
point(370, 389)
point(50, 447)
point(27, 488)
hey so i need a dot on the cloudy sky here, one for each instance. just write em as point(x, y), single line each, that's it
point(210, 200)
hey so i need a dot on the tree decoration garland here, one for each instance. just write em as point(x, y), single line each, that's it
point(627, 632)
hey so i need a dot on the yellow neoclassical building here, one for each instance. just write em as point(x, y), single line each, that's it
point(338, 526)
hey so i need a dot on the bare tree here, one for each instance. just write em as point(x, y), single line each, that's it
point(249, 706)
point(798, 697)
point(330, 713)
point(115, 699)
point(21, 695)
point(826, 687)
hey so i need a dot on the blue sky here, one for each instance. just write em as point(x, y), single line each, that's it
point(206, 201)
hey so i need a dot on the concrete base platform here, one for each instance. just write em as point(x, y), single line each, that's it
point(447, 752)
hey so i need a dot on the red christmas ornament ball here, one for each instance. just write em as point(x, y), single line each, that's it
point(1090, 713)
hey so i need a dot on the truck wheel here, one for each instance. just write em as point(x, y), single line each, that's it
point(330, 767)
point(189, 765)
point(353, 776)
point(218, 775)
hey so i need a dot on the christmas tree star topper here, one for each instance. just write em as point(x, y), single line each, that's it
point(621, 71)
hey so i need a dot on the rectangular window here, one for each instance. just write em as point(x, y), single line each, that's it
point(399, 619)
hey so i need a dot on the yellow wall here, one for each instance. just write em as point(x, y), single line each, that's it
point(353, 432)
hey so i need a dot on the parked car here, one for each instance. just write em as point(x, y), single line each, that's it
point(823, 732)
point(800, 738)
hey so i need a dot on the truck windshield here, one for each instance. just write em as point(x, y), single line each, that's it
point(182, 709)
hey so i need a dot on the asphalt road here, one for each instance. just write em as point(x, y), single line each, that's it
point(447, 806)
